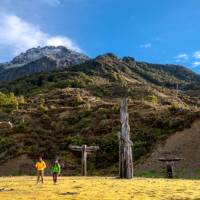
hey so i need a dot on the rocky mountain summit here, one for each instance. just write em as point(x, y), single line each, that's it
point(40, 59)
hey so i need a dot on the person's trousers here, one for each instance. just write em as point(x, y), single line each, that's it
point(55, 177)
point(169, 174)
point(40, 175)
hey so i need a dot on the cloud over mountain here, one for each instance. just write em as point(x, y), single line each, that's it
point(17, 35)
point(182, 57)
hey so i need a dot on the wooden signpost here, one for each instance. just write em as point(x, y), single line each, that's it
point(125, 149)
point(85, 150)
point(169, 168)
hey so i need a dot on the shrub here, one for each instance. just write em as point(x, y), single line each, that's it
point(139, 149)
point(151, 98)
point(43, 108)
point(77, 100)
point(45, 118)
point(86, 107)
point(21, 100)
point(5, 143)
point(174, 107)
point(20, 128)
point(76, 140)
point(116, 109)
point(103, 111)
point(10, 101)
point(62, 84)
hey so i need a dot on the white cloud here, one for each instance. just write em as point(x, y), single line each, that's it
point(61, 41)
point(196, 55)
point(147, 45)
point(59, 2)
point(182, 57)
point(52, 2)
point(17, 35)
point(196, 64)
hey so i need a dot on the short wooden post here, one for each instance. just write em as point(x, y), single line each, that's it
point(169, 170)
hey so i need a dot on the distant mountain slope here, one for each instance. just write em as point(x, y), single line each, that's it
point(49, 58)
point(39, 59)
point(111, 67)
point(167, 75)
point(106, 66)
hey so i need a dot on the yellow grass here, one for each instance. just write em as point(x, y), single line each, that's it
point(93, 188)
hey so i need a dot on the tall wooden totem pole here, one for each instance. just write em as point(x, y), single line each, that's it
point(125, 149)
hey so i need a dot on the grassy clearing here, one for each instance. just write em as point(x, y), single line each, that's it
point(94, 188)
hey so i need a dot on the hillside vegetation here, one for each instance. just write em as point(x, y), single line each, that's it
point(80, 105)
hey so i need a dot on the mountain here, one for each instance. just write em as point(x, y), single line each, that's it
point(80, 104)
point(39, 59)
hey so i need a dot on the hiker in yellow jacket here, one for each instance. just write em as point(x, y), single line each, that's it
point(40, 166)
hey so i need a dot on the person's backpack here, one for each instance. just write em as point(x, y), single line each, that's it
point(56, 167)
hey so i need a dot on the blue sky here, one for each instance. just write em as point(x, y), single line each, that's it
point(158, 31)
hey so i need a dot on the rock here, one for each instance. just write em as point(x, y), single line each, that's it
point(6, 189)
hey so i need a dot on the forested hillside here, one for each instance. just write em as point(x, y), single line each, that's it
point(80, 105)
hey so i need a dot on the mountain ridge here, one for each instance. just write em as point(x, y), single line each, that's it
point(49, 58)
point(57, 57)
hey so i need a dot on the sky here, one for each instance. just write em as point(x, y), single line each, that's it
point(156, 31)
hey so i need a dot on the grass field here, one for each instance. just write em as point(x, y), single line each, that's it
point(92, 188)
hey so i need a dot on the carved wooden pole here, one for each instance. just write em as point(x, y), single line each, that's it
point(125, 149)
point(84, 149)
